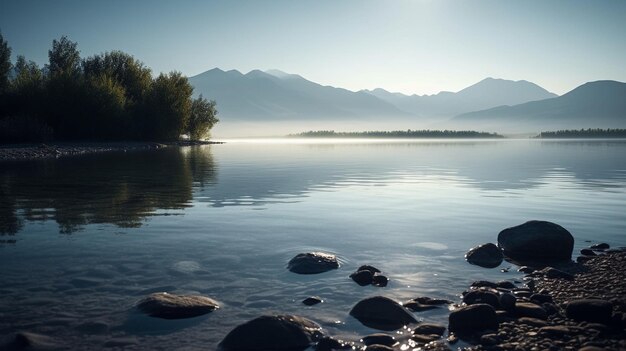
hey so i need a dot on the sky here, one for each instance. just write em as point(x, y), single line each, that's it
point(409, 46)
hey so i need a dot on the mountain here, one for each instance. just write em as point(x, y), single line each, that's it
point(485, 94)
point(276, 95)
point(600, 104)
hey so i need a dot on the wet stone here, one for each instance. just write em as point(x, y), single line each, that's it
point(428, 328)
point(380, 339)
point(362, 278)
point(381, 313)
point(312, 300)
point(486, 255)
point(172, 306)
point(380, 280)
point(313, 263)
point(272, 332)
point(525, 309)
point(473, 318)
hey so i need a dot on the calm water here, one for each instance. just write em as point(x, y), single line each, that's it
point(83, 238)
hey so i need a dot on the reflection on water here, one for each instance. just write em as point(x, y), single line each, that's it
point(223, 221)
point(118, 188)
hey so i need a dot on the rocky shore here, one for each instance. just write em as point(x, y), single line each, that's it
point(56, 150)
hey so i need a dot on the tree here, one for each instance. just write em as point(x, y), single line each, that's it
point(5, 64)
point(64, 57)
point(129, 73)
point(167, 107)
point(202, 118)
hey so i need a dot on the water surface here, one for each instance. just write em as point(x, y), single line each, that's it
point(83, 238)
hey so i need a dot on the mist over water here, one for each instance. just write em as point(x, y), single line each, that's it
point(83, 238)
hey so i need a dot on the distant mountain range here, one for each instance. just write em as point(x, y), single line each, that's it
point(498, 105)
point(600, 104)
point(485, 94)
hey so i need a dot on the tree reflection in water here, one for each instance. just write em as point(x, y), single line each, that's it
point(121, 188)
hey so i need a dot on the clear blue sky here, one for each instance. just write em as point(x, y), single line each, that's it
point(411, 46)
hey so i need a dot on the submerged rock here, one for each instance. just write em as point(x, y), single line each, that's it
point(537, 240)
point(380, 280)
point(485, 255)
point(428, 329)
point(30, 341)
point(171, 306)
point(382, 313)
point(473, 318)
point(363, 277)
point(312, 300)
point(380, 339)
point(276, 332)
point(313, 263)
point(328, 343)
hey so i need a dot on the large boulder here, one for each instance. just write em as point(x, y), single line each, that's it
point(485, 255)
point(172, 306)
point(382, 313)
point(473, 318)
point(313, 263)
point(537, 241)
point(275, 332)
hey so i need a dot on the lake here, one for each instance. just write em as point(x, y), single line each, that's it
point(83, 238)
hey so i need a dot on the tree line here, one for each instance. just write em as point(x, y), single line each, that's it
point(399, 134)
point(110, 96)
point(584, 133)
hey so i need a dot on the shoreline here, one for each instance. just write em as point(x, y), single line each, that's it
point(597, 278)
point(19, 152)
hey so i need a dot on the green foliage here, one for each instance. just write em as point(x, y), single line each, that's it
point(129, 73)
point(110, 96)
point(167, 107)
point(5, 64)
point(202, 118)
point(64, 58)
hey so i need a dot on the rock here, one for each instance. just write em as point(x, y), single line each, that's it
point(172, 306)
point(473, 318)
point(428, 328)
point(420, 304)
point(367, 267)
point(312, 300)
point(380, 339)
point(382, 313)
point(590, 310)
point(505, 284)
point(553, 273)
point(526, 309)
point(526, 269)
point(507, 301)
point(30, 341)
point(484, 284)
point(380, 280)
point(327, 343)
point(537, 240)
point(313, 263)
point(362, 277)
point(600, 246)
point(583, 259)
point(592, 348)
point(535, 322)
point(485, 255)
point(424, 339)
point(377, 347)
point(554, 330)
point(481, 296)
point(541, 298)
point(588, 252)
point(430, 301)
point(489, 339)
point(272, 332)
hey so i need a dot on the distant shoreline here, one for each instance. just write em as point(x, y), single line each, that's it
point(15, 152)
point(413, 134)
